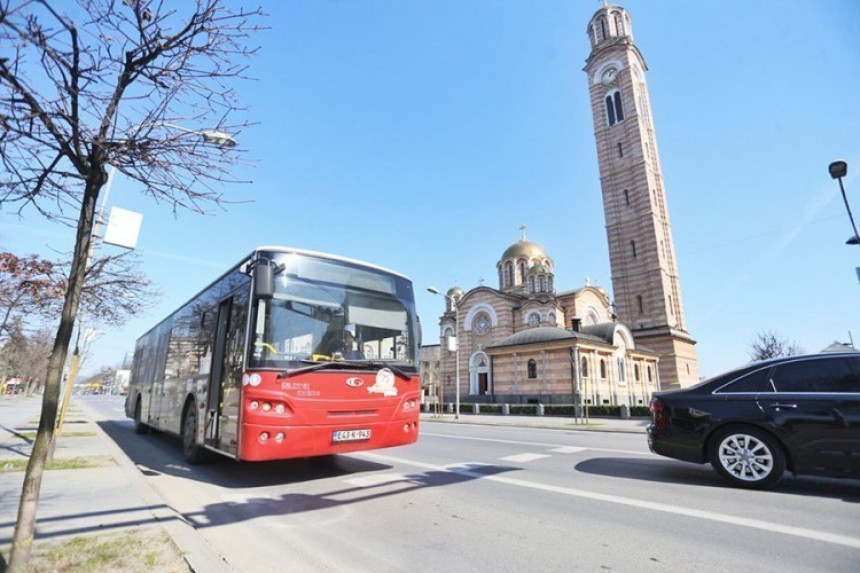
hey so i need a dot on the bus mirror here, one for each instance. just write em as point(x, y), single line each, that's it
point(264, 279)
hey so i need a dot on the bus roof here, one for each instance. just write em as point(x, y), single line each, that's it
point(280, 249)
point(276, 249)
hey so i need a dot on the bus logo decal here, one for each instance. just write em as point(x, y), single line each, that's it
point(354, 382)
point(384, 383)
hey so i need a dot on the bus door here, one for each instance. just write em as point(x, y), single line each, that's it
point(225, 379)
point(157, 411)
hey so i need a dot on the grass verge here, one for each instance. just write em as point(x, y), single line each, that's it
point(19, 465)
point(139, 550)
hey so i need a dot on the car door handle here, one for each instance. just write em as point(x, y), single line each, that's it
point(779, 405)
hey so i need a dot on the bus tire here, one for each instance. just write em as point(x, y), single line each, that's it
point(193, 453)
point(139, 426)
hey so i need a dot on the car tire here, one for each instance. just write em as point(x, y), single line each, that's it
point(193, 453)
point(139, 426)
point(747, 457)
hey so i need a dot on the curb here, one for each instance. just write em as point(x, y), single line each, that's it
point(198, 554)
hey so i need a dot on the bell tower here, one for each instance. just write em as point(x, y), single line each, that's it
point(645, 278)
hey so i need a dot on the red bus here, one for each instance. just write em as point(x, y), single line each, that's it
point(291, 353)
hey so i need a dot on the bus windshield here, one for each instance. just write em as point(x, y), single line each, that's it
point(326, 310)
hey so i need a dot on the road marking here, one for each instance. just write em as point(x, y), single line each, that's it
point(568, 450)
point(834, 538)
point(524, 458)
point(538, 444)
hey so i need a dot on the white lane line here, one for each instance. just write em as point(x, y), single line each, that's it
point(834, 538)
point(524, 458)
point(536, 444)
point(567, 450)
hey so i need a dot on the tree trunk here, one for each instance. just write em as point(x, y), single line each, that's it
point(25, 527)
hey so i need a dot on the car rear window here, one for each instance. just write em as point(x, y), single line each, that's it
point(818, 375)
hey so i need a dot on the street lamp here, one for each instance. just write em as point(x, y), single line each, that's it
point(838, 170)
point(211, 136)
point(434, 290)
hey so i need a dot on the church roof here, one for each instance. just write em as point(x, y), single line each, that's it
point(544, 334)
point(524, 248)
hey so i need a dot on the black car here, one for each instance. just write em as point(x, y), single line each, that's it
point(800, 413)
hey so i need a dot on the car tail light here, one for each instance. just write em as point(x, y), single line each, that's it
point(659, 413)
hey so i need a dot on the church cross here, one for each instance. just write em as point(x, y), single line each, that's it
point(523, 229)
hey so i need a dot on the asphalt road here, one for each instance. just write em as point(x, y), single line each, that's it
point(481, 498)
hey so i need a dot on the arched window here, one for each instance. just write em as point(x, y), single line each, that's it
point(639, 304)
point(522, 268)
point(649, 374)
point(626, 197)
point(610, 111)
point(602, 368)
point(532, 368)
point(534, 319)
point(584, 367)
point(619, 25)
point(509, 274)
point(481, 324)
point(619, 111)
point(636, 372)
point(542, 281)
point(633, 248)
point(622, 371)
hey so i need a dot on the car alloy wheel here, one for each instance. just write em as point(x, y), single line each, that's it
point(747, 457)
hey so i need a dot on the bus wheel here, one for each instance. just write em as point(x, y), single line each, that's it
point(193, 453)
point(139, 427)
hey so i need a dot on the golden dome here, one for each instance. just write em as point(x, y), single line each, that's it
point(538, 269)
point(526, 249)
point(456, 293)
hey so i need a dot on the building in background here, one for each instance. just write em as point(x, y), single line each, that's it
point(524, 342)
point(645, 281)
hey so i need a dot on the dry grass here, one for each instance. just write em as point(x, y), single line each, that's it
point(19, 465)
point(149, 550)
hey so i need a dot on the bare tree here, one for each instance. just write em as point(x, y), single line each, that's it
point(114, 289)
point(26, 355)
point(109, 83)
point(28, 286)
point(768, 345)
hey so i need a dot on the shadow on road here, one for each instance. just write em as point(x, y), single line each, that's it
point(157, 453)
point(669, 471)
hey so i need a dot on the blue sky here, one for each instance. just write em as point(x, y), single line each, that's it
point(420, 135)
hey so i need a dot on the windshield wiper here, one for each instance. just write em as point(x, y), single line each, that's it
point(372, 364)
point(343, 365)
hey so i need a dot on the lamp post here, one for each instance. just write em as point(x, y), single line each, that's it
point(213, 137)
point(838, 170)
point(434, 290)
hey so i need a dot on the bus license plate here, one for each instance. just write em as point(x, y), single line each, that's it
point(350, 435)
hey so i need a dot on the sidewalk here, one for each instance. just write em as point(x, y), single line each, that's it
point(114, 496)
point(108, 497)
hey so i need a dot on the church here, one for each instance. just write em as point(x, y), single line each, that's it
point(524, 341)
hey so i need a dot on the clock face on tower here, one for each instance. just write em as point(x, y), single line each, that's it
point(609, 76)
